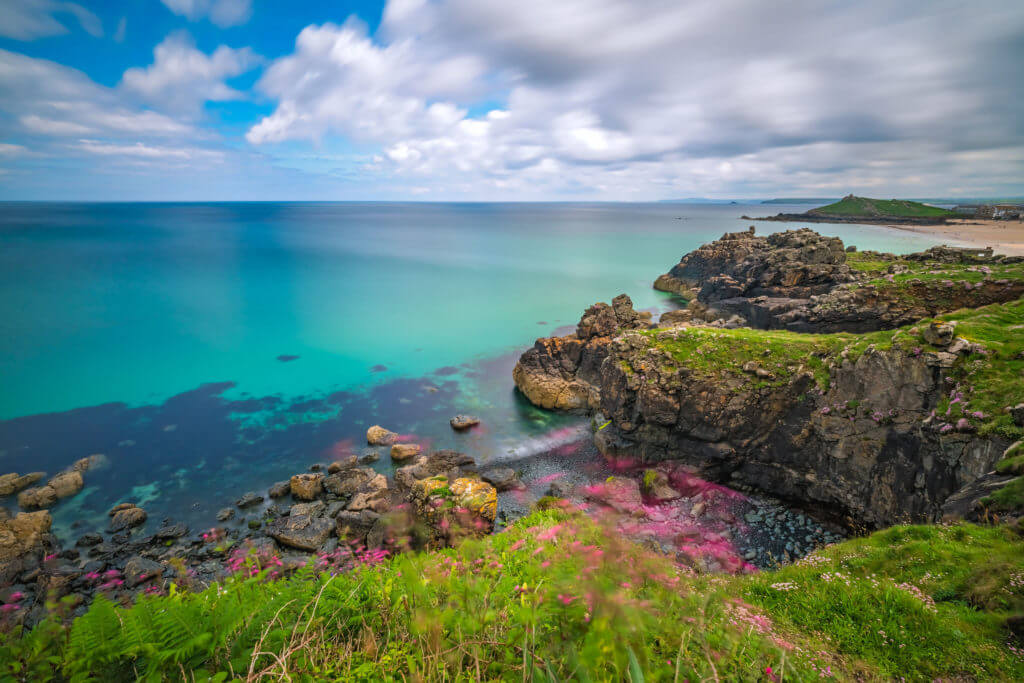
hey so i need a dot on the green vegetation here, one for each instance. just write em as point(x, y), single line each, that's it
point(556, 598)
point(990, 381)
point(708, 352)
point(998, 375)
point(1010, 498)
point(881, 208)
point(901, 597)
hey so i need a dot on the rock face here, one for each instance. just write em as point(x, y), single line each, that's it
point(865, 449)
point(562, 372)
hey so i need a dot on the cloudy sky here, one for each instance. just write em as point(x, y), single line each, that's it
point(521, 100)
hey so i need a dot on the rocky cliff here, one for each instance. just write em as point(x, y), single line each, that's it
point(848, 431)
point(879, 427)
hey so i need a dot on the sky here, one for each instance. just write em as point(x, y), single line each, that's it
point(466, 100)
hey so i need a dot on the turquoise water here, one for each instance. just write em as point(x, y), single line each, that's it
point(208, 349)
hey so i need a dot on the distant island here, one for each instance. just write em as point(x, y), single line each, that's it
point(853, 209)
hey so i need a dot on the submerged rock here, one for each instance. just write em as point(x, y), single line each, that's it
point(13, 483)
point(37, 497)
point(67, 484)
point(249, 499)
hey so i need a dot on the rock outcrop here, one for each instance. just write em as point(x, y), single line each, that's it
point(562, 372)
point(794, 264)
point(799, 280)
point(867, 448)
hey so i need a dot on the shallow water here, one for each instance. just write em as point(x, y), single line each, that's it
point(212, 349)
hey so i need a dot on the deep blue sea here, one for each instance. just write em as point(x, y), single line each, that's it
point(212, 349)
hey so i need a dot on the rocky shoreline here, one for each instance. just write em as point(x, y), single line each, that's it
point(847, 427)
point(871, 429)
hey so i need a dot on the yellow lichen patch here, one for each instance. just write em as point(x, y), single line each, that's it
point(477, 496)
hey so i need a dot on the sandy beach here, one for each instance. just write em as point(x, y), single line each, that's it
point(1005, 237)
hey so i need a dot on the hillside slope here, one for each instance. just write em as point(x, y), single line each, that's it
point(851, 206)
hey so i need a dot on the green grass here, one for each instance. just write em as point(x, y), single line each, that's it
point(997, 377)
point(557, 597)
point(900, 598)
point(880, 208)
point(709, 352)
point(991, 381)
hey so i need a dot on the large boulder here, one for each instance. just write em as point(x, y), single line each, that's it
point(349, 481)
point(446, 463)
point(304, 532)
point(139, 569)
point(128, 517)
point(22, 536)
point(404, 451)
point(454, 509)
point(306, 486)
point(378, 436)
point(67, 484)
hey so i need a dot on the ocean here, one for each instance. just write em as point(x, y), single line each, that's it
point(209, 349)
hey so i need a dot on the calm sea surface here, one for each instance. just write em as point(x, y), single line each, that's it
point(212, 349)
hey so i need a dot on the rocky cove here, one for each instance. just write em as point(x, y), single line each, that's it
point(731, 434)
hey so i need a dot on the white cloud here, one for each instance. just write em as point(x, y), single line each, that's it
point(340, 80)
point(31, 19)
point(648, 99)
point(223, 13)
point(47, 98)
point(182, 78)
point(145, 151)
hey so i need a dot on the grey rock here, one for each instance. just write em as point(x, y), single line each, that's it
point(248, 500)
point(139, 570)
